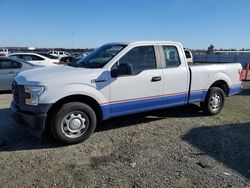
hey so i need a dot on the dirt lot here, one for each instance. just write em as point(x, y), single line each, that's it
point(177, 147)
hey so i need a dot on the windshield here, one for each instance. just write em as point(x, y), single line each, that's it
point(100, 57)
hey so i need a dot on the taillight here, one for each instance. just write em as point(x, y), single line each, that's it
point(240, 74)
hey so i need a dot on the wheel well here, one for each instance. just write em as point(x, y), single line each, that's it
point(221, 84)
point(74, 98)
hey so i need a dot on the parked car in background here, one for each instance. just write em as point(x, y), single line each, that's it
point(36, 58)
point(67, 60)
point(83, 54)
point(4, 52)
point(58, 53)
point(73, 58)
point(55, 59)
point(9, 68)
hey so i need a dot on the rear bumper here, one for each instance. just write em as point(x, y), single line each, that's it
point(34, 121)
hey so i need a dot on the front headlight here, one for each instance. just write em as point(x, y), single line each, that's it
point(32, 94)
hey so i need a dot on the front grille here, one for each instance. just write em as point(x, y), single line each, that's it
point(15, 91)
point(18, 93)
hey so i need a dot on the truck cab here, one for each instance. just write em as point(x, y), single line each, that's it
point(114, 80)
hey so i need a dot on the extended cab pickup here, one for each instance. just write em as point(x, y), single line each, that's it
point(114, 80)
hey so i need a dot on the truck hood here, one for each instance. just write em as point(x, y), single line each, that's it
point(58, 73)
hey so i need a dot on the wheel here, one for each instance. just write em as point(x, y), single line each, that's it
point(73, 123)
point(202, 105)
point(214, 101)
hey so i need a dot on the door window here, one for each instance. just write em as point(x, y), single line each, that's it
point(8, 64)
point(32, 58)
point(139, 59)
point(17, 56)
point(172, 58)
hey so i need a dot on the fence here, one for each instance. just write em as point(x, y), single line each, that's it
point(242, 58)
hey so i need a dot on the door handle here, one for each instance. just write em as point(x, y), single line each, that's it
point(11, 72)
point(156, 79)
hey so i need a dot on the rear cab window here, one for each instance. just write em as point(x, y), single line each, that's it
point(187, 53)
point(171, 56)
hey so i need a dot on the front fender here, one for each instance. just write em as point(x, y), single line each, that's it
point(53, 95)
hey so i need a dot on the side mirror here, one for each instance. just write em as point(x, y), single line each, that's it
point(122, 70)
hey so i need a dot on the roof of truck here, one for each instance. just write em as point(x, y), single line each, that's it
point(145, 42)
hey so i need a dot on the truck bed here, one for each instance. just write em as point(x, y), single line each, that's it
point(203, 74)
point(210, 63)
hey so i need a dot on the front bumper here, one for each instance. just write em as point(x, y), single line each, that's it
point(34, 121)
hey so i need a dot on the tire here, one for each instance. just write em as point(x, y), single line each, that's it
point(214, 101)
point(73, 123)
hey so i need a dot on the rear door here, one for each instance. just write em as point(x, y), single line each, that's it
point(176, 75)
point(143, 89)
point(8, 70)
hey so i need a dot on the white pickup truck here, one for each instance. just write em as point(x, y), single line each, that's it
point(118, 79)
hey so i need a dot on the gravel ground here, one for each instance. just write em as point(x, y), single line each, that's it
point(178, 147)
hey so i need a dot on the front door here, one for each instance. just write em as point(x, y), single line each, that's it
point(142, 90)
point(8, 70)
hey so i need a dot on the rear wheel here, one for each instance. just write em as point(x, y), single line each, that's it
point(214, 101)
point(73, 123)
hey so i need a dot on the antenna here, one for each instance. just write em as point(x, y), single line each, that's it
point(72, 35)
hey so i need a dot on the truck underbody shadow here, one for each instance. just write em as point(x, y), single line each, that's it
point(190, 110)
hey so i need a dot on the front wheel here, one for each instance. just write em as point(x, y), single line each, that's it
point(73, 123)
point(214, 101)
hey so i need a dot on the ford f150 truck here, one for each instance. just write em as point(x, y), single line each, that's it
point(114, 80)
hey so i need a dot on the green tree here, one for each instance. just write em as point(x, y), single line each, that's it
point(210, 49)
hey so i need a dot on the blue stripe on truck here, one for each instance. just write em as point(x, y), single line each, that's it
point(197, 96)
point(130, 106)
point(234, 90)
point(134, 106)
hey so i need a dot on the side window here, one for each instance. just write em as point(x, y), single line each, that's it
point(17, 56)
point(32, 58)
point(27, 58)
point(8, 64)
point(5, 64)
point(16, 65)
point(139, 59)
point(172, 58)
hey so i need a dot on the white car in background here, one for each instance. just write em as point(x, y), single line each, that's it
point(9, 68)
point(4, 52)
point(59, 54)
point(37, 58)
